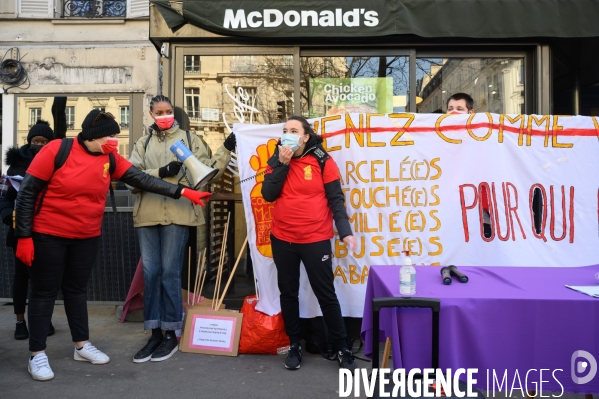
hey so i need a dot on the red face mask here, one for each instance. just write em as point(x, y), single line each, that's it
point(165, 122)
point(111, 145)
point(455, 112)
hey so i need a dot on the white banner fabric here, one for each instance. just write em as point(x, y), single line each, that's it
point(415, 182)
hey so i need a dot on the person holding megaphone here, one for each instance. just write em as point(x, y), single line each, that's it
point(162, 223)
point(59, 210)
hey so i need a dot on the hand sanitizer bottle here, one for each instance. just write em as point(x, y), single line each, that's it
point(407, 276)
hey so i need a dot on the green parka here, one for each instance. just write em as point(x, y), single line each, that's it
point(153, 209)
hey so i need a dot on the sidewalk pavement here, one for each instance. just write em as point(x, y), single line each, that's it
point(183, 375)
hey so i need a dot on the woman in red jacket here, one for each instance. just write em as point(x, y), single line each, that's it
point(59, 219)
point(303, 176)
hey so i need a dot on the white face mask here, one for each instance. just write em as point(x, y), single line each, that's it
point(291, 140)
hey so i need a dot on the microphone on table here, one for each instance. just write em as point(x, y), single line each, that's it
point(455, 272)
point(446, 273)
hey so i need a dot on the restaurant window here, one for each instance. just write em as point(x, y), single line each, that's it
point(69, 113)
point(495, 84)
point(35, 114)
point(236, 88)
point(356, 84)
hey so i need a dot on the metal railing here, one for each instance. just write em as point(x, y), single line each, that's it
point(94, 8)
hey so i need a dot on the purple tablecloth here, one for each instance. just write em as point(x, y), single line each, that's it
point(504, 318)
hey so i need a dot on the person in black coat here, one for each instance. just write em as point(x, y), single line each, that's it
point(18, 160)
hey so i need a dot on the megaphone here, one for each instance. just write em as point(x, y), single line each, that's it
point(200, 173)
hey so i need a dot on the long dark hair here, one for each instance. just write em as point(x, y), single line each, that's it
point(307, 127)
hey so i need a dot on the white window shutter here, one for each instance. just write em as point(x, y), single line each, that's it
point(36, 8)
point(138, 8)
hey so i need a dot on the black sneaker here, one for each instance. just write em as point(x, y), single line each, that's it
point(21, 331)
point(167, 348)
point(294, 357)
point(346, 359)
point(51, 330)
point(146, 352)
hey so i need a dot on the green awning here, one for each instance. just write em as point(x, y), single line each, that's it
point(355, 18)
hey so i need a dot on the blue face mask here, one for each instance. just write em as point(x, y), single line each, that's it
point(291, 140)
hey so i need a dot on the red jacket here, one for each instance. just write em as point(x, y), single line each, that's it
point(308, 198)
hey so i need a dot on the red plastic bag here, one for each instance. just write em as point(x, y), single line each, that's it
point(261, 333)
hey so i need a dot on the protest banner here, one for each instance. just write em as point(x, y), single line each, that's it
point(421, 182)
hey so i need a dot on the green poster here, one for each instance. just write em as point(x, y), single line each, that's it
point(333, 96)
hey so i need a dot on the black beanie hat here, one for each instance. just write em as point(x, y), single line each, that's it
point(41, 128)
point(104, 125)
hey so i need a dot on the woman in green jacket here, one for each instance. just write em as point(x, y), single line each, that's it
point(161, 224)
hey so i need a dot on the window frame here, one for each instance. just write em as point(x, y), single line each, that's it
point(535, 86)
point(70, 114)
point(193, 97)
point(33, 121)
point(128, 116)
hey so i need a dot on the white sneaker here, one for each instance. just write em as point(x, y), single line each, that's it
point(90, 353)
point(39, 368)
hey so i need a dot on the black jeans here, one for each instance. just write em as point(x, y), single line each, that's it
point(20, 283)
point(316, 257)
point(60, 263)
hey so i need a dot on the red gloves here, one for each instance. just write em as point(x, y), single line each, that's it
point(195, 196)
point(25, 250)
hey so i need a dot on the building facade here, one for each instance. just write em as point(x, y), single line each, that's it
point(93, 54)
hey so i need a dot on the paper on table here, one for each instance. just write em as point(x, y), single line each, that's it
point(15, 181)
point(591, 290)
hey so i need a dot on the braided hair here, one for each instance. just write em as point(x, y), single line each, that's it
point(159, 99)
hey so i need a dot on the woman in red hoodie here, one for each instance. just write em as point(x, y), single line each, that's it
point(304, 177)
point(59, 218)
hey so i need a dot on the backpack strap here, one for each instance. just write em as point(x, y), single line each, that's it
point(63, 153)
point(59, 160)
point(322, 156)
point(111, 169)
point(147, 141)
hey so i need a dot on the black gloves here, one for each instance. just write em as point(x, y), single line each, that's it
point(230, 142)
point(172, 169)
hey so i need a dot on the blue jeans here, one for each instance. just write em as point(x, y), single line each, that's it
point(162, 253)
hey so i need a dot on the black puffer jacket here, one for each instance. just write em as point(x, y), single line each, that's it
point(18, 160)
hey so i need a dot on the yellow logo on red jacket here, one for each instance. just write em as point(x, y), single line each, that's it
point(106, 169)
point(308, 172)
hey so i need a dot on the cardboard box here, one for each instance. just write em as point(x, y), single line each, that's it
point(211, 332)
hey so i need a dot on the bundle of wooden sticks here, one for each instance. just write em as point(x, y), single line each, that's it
point(218, 297)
